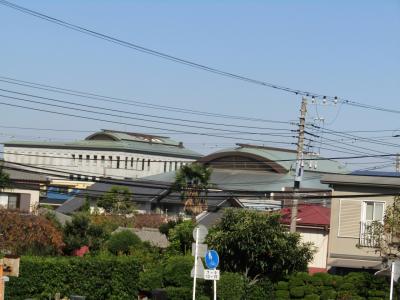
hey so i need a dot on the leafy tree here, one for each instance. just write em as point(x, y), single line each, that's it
point(80, 232)
point(118, 200)
point(193, 181)
point(122, 242)
point(386, 237)
point(166, 227)
point(256, 244)
point(28, 234)
point(4, 179)
point(181, 237)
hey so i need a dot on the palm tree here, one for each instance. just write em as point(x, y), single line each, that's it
point(193, 181)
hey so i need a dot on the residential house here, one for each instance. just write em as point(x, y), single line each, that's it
point(358, 200)
point(313, 222)
point(24, 192)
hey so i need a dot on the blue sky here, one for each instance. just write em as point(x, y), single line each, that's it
point(344, 48)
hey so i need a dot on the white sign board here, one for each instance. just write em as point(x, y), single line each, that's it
point(211, 274)
point(199, 271)
point(201, 249)
point(201, 234)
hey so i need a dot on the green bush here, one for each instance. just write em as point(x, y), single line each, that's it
point(231, 286)
point(328, 294)
point(94, 277)
point(121, 242)
point(177, 271)
point(262, 289)
point(312, 297)
point(281, 294)
point(178, 293)
point(297, 292)
point(150, 279)
point(295, 281)
point(376, 293)
point(282, 285)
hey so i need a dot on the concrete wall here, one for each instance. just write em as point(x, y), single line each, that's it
point(130, 165)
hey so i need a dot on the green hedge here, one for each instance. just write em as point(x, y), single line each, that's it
point(323, 286)
point(114, 278)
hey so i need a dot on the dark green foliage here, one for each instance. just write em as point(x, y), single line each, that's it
point(257, 244)
point(312, 297)
point(122, 242)
point(281, 295)
point(282, 285)
point(263, 289)
point(297, 292)
point(118, 200)
point(231, 286)
point(181, 237)
point(94, 277)
point(177, 271)
point(328, 294)
point(5, 181)
point(166, 227)
point(150, 279)
point(178, 293)
point(80, 232)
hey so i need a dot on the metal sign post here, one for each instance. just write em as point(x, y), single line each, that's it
point(199, 234)
point(212, 261)
point(195, 263)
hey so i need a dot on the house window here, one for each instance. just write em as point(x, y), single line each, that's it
point(126, 163)
point(103, 158)
point(110, 160)
point(118, 160)
point(143, 160)
point(148, 165)
point(132, 162)
point(80, 160)
point(73, 159)
point(9, 201)
point(372, 211)
point(87, 160)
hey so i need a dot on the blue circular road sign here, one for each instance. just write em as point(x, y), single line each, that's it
point(212, 259)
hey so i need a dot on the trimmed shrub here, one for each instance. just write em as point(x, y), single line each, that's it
point(121, 242)
point(178, 293)
point(94, 277)
point(297, 292)
point(376, 293)
point(282, 295)
point(312, 297)
point(231, 286)
point(328, 294)
point(282, 285)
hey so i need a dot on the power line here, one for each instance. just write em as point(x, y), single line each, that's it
point(130, 102)
point(123, 123)
point(192, 64)
point(152, 116)
point(154, 52)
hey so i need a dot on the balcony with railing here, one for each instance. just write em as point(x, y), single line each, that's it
point(369, 234)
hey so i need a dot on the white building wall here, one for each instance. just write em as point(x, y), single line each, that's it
point(320, 244)
point(130, 165)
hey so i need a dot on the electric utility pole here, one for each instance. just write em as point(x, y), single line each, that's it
point(299, 164)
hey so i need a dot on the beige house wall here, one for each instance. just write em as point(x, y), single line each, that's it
point(29, 199)
point(346, 215)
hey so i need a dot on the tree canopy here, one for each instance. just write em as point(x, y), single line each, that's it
point(193, 181)
point(118, 200)
point(4, 179)
point(256, 244)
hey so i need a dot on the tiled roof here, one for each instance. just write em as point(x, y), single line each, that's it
point(308, 215)
point(151, 235)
